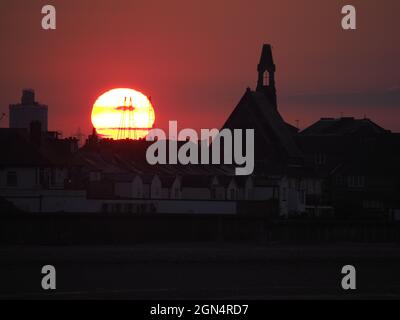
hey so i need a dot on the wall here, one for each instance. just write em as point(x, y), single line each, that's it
point(75, 201)
point(21, 116)
point(29, 178)
point(26, 178)
point(196, 193)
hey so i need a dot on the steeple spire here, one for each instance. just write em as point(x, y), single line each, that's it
point(266, 74)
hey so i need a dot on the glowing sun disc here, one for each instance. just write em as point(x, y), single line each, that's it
point(123, 114)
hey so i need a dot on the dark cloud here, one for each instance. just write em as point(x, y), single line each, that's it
point(386, 98)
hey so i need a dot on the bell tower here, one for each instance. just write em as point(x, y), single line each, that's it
point(266, 75)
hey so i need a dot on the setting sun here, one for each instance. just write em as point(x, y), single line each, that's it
point(123, 114)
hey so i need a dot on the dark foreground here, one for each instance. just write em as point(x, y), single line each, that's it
point(201, 271)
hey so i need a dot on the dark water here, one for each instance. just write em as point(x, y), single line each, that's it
point(231, 272)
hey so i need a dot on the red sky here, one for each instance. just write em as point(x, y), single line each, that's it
point(196, 58)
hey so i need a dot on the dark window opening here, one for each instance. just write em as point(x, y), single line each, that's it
point(12, 180)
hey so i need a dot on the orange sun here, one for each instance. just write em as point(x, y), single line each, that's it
point(123, 114)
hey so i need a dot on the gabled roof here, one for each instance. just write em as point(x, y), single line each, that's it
point(276, 123)
point(344, 126)
point(272, 135)
point(148, 178)
point(94, 161)
point(167, 181)
point(293, 130)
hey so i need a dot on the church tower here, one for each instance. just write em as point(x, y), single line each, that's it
point(266, 75)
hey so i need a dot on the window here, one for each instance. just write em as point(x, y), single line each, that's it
point(233, 194)
point(275, 193)
point(372, 204)
point(42, 177)
point(266, 79)
point(95, 176)
point(356, 181)
point(116, 208)
point(213, 193)
point(53, 176)
point(12, 180)
point(320, 158)
point(284, 191)
point(128, 207)
point(302, 196)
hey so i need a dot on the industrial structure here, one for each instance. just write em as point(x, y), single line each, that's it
point(27, 111)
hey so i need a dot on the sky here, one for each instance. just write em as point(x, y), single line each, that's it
point(196, 58)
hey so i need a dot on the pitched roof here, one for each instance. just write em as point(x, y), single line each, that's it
point(344, 126)
point(167, 181)
point(272, 134)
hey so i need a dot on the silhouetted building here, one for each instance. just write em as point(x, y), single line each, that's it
point(28, 111)
point(344, 126)
point(32, 158)
point(346, 166)
point(357, 161)
point(275, 147)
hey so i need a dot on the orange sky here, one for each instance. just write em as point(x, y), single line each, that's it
point(196, 58)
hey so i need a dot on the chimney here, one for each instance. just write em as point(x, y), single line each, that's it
point(36, 133)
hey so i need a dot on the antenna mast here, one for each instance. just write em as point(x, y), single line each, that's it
point(127, 120)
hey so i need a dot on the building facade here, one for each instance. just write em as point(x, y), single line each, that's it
point(27, 111)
